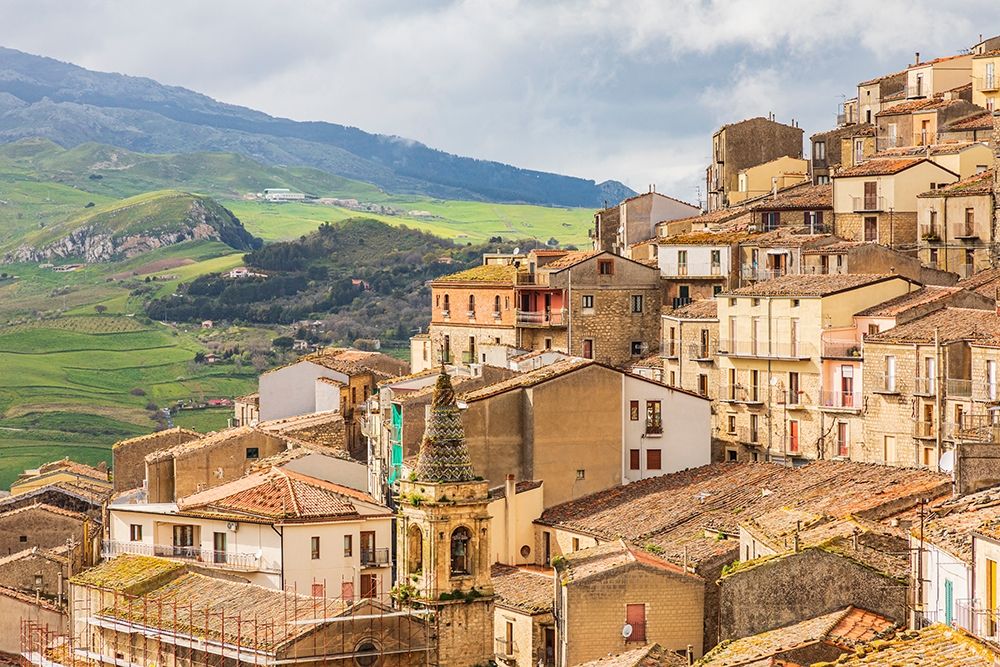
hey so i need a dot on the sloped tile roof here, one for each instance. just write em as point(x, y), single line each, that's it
point(982, 282)
point(706, 238)
point(846, 629)
point(979, 121)
point(319, 429)
point(951, 524)
point(905, 302)
point(822, 284)
point(127, 572)
point(804, 196)
point(672, 512)
point(571, 259)
point(935, 646)
point(42, 507)
point(600, 560)
point(948, 148)
point(951, 324)
point(280, 495)
point(529, 379)
point(503, 274)
point(651, 655)
point(977, 184)
point(789, 237)
point(880, 167)
point(699, 309)
point(528, 589)
point(924, 104)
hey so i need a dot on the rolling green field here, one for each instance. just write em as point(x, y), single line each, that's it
point(69, 386)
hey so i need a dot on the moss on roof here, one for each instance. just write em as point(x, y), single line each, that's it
point(127, 573)
point(487, 273)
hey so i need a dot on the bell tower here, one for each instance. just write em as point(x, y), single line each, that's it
point(443, 537)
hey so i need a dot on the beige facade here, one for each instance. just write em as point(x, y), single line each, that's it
point(986, 80)
point(956, 231)
point(635, 219)
point(764, 178)
point(927, 79)
point(775, 381)
point(594, 602)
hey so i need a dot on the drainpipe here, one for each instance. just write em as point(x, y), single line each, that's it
point(770, 335)
point(941, 383)
point(281, 537)
point(944, 223)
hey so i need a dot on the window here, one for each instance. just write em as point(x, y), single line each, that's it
point(447, 305)
point(508, 636)
point(716, 290)
point(991, 380)
point(754, 428)
point(682, 262)
point(871, 229)
point(606, 267)
point(588, 348)
point(22, 538)
point(461, 561)
point(889, 449)
point(219, 547)
point(843, 439)
point(770, 220)
point(576, 544)
point(793, 388)
point(253, 453)
point(496, 305)
point(633, 411)
point(873, 329)
point(819, 150)
point(716, 259)
point(703, 384)
point(636, 303)
point(348, 546)
point(581, 474)
point(754, 385)
point(673, 378)
point(890, 373)
point(703, 344)
point(672, 342)
point(314, 547)
point(795, 303)
point(731, 455)
point(548, 343)
point(446, 349)
point(653, 460)
point(636, 348)
point(135, 532)
point(755, 302)
point(472, 305)
point(731, 424)
point(587, 301)
point(415, 549)
point(633, 459)
point(822, 180)
point(654, 423)
point(318, 590)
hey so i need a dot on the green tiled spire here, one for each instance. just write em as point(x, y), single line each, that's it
point(444, 456)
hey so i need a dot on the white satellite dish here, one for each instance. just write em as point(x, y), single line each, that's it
point(626, 631)
point(947, 462)
point(517, 251)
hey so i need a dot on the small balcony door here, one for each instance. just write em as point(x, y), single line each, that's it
point(219, 547)
point(367, 546)
point(847, 386)
point(183, 541)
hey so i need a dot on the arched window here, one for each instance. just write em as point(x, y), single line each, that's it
point(496, 304)
point(461, 559)
point(366, 653)
point(447, 303)
point(472, 303)
point(415, 549)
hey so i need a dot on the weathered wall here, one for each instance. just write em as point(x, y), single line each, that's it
point(129, 456)
point(37, 527)
point(801, 586)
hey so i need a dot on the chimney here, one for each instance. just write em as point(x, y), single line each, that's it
point(916, 58)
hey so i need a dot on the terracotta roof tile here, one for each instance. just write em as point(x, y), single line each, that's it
point(951, 324)
point(845, 629)
point(983, 282)
point(323, 430)
point(810, 284)
point(948, 148)
point(571, 259)
point(526, 588)
point(905, 302)
point(51, 509)
point(804, 196)
point(978, 121)
point(879, 167)
point(951, 524)
point(789, 237)
point(503, 274)
point(674, 511)
point(529, 379)
point(879, 78)
point(599, 560)
point(935, 646)
point(651, 655)
point(706, 238)
point(700, 309)
point(977, 184)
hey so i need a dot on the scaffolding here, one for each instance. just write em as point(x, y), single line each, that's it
point(109, 628)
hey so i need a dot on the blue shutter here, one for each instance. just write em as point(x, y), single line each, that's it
point(949, 596)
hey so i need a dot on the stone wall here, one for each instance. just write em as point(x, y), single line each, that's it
point(458, 339)
point(977, 467)
point(37, 527)
point(889, 414)
point(465, 633)
point(129, 456)
point(20, 574)
point(898, 228)
point(606, 223)
point(801, 586)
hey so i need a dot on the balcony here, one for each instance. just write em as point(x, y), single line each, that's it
point(758, 273)
point(225, 560)
point(840, 400)
point(701, 352)
point(886, 384)
point(377, 557)
point(868, 204)
point(916, 91)
point(736, 393)
point(988, 84)
point(748, 436)
point(468, 357)
point(670, 349)
point(958, 388)
point(925, 386)
point(930, 233)
point(758, 349)
point(841, 119)
point(705, 269)
point(541, 318)
point(986, 392)
point(505, 649)
point(980, 428)
point(654, 426)
point(924, 430)
point(965, 231)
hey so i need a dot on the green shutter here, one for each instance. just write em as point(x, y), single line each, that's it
point(949, 596)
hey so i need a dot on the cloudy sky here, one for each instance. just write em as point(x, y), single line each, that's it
point(622, 89)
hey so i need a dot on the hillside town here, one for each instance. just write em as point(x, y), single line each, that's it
point(765, 431)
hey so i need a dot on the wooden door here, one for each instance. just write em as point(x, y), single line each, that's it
point(635, 615)
point(871, 195)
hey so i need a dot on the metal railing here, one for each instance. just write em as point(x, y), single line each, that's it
point(749, 435)
point(829, 269)
point(375, 557)
point(670, 348)
point(695, 269)
point(958, 387)
point(868, 204)
point(988, 83)
point(654, 426)
point(737, 393)
point(766, 349)
point(849, 400)
point(924, 429)
point(542, 318)
point(964, 230)
point(925, 386)
point(886, 384)
point(930, 232)
point(505, 649)
point(842, 349)
point(700, 351)
point(751, 272)
point(225, 559)
point(986, 391)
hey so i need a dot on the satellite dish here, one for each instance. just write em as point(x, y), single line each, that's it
point(517, 251)
point(626, 631)
point(774, 381)
point(947, 462)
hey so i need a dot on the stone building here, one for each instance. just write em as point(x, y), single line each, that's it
point(921, 373)
point(805, 206)
point(63, 471)
point(689, 346)
point(876, 201)
point(471, 308)
point(830, 148)
point(880, 93)
point(129, 456)
point(612, 595)
point(956, 225)
point(777, 253)
point(915, 122)
point(768, 177)
point(771, 353)
point(594, 305)
point(977, 126)
point(739, 146)
point(523, 627)
point(443, 538)
point(635, 219)
point(45, 527)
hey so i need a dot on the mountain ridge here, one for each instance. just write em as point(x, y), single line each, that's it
point(70, 105)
